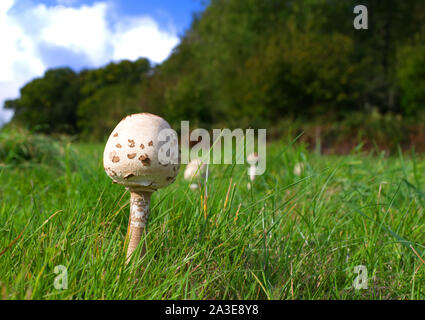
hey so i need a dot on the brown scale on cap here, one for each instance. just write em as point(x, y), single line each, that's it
point(132, 156)
point(132, 143)
point(142, 146)
point(112, 173)
point(145, 160)
point(115, 159)
point(119, 146)
point(150, 144)
point(116, 135)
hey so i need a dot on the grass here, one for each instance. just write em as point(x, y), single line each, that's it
point(289, 237)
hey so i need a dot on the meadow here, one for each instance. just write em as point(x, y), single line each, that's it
point(288, 237)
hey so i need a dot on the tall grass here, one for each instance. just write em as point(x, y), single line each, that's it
point(20, 147)
point(288, 237)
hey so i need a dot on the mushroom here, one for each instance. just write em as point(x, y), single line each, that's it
point(194, 170)
point(252, 160)
point(131, 158)
point(298, 168)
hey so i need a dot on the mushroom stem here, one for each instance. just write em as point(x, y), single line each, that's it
point(139, 212)
point(252, 171)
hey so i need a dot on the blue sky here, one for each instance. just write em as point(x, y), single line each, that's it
point(176, 12)
point(43, 34)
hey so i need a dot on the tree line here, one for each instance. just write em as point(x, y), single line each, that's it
point(249, 63)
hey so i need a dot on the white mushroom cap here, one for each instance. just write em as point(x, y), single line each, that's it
point(252, 159)
point(194, 169)
point(131, 153)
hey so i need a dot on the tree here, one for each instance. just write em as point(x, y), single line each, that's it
point(48, 104)
point(411, 76)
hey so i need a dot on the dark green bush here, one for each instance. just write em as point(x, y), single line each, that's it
point(411, 77)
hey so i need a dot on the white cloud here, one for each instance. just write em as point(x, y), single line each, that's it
point(94, 32)
point(135, 36)
point(18, 58)
point(82, 30)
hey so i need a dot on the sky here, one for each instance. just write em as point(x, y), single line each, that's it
point(38, 35)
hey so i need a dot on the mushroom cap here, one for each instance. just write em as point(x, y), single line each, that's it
point(131, 153)
point(194, 169)
point(253, 158)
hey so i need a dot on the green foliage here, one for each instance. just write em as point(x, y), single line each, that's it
point(63, 101)
point(124, 72)
point(48, 104)
point(304, 74)
point(101, 111)
point(109, 94)
point(251, 63)
point(19, 147)
point(411, 75)
point(370, 132)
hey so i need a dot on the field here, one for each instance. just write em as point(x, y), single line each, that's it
point(289, 237)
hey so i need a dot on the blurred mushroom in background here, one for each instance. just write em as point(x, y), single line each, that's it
point(298, 169)
point(195, 173)
point(252, 160)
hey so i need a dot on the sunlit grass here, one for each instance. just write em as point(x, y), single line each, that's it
point(289, 237)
